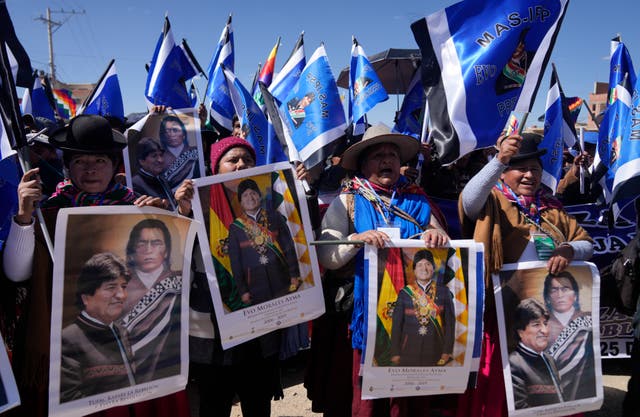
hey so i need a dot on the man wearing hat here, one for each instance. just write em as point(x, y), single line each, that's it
point(505, 207)
point(423, 319)
point(376, 205)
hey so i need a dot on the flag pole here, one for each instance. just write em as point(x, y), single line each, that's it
point(15, 129)
point(423, 137)
point(581, 166)
point(593, 117)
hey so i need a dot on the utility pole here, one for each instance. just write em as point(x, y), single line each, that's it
point(53, 26)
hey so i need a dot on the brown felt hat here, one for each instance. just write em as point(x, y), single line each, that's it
point(375, 135)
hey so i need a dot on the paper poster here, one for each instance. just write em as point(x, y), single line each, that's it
point(163, 150)
point(119, 326)
point(421, 318)
point(549, 338)
point(262, 272)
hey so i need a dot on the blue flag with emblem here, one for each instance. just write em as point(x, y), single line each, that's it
point(621, 64)
point(480, 61)
point(289, 74)
point(254, 122)
point(365, 88)
point(408, 121)
point(221, 107)
point(171, 67)
point(314, 112)
point(559, 131)
point(106, 97)
point(626, 164)
point(613, 127)
point(35, 101)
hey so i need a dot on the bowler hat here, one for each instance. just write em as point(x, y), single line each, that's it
point(529, 148)
point(375, 135)
point(88, 133)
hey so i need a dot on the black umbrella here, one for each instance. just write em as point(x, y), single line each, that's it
point(395, 68)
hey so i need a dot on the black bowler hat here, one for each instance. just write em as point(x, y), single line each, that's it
point(88, 133)
point(528, 148)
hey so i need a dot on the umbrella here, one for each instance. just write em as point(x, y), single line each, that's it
point(395, 68)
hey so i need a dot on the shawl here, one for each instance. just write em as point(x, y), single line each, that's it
point(68, 195)
point(503, 230)
point(412, 200)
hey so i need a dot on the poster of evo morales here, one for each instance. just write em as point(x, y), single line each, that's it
point(262, 272)
point(120, 317)
point(549, 338)
point(163, 150)
point(422, 318)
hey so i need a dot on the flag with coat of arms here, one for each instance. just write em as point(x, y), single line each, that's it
point(314, 112)
point(480, 61)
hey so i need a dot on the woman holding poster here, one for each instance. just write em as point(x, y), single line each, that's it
point(505, 207)
point(91, 152)
point(377, 205)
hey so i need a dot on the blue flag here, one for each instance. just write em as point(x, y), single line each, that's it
point(314, 112)
point(626, 167)
point(480, 61)
point(172, 65)
point(222, 110)
point(9, 180)
point(254, 122)
point(365, 88)
point(35, 101)
point(559, 132)
point(289, 74)
point(106, 97)
point(613, 127)
point(620, 65)
point(408, 121)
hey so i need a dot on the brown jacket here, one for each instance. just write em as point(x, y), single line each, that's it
point(505, 233)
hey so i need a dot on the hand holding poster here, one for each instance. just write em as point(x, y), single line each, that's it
point(549, 338)
point(422, 318)
point(262, 274)
point(120, 325)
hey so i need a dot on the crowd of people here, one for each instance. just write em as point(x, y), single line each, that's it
point(379, 196)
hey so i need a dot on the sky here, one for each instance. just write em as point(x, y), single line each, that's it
point(128, 31)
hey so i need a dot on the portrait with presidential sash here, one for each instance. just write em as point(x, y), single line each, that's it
point(254, 240)
point(421, 325)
